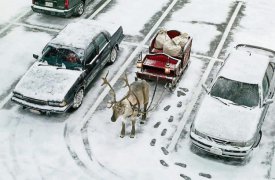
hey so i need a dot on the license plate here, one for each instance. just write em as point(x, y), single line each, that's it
point(49, 4)
point(216, 151)
point(35, 111)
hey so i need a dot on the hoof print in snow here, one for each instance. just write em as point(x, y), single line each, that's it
point(171, 118)
point(162, 162)
point(181, 165)
point(180, 93)
point(185, 177)
point(179, 104)
point(157, 124)
point(184, 89)
point(153, 142)
point(167, 108)
point(164, 150)
point(205, 175)
point(163, 132)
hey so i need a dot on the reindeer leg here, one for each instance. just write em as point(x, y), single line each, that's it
point(143, 117)
point(133, 131)
point(122, 133)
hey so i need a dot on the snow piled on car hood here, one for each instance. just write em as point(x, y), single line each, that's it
point(46, 82)
point(227, 122)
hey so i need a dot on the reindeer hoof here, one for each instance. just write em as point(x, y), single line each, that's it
point(142, 122)
point(132, 136)
point(122, 136)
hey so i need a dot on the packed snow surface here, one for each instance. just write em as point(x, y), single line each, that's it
point(45, 82)
point(81, 33)
point(227, 122)
point(244, 66)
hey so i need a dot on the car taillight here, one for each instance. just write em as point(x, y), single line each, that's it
point(33, 1)
point(66, 4)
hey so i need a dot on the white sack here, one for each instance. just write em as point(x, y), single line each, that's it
point(161, 38)
point(172, 49)
point(181, 39)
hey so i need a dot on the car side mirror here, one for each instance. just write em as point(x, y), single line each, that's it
point(35, 56)
point(205, 88)
point(268, 101)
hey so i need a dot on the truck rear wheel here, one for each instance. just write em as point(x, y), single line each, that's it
point(80, 9)
point(113, 55)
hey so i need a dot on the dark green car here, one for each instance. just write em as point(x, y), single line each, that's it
point(64, 8)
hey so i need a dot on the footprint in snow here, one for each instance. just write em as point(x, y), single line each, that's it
point(157, 124)
point(180, 93)
point(167, 108)
point(185, 177)
point(153, 142)
point(179, 104)
point(163, 132)
point(205, 175)
point(162, 162)
point(164, 150)
point(180, 164)
point(184, 89)
point(171, 118)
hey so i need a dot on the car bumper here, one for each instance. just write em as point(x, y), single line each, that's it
point(219, 149)
point(41, 108)
point(52, 11)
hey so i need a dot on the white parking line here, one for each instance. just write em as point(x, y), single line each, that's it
point(126, 64)
point(37, 27)
point(99, 9)
point(196, 94)
point(15, 20)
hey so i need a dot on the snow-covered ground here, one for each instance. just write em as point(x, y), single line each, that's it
point(85, 144)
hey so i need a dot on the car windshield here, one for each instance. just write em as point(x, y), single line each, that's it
point(238, 92)
point(61, 57)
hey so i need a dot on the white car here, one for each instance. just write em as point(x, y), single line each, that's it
point(229, 120)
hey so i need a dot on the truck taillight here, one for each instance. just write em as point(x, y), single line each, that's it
point(66, 4)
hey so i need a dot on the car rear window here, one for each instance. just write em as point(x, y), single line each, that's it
point(238, 92)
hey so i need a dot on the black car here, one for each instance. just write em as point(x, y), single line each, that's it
point(69, 62)
point(64, 8)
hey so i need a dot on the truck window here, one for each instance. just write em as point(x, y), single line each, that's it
point(91, 53)
point(101, 41)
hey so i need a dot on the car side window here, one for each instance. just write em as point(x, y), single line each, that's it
point(101, 41)
point(265, 86)
point(91, 53)
point(270, 72)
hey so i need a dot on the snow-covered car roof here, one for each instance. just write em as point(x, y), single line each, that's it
point(245, 66)
point(81, 33)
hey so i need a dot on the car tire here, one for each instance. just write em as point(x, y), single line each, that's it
point(113, 55)
point(78, 98)
point(79, 10)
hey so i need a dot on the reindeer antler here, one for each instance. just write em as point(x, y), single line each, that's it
point(126, 82)
point(105, 81)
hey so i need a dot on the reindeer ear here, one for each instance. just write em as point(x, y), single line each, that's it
point(109, 104)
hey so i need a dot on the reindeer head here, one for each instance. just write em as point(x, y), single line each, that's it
point(117, 106)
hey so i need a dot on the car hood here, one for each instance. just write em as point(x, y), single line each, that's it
point(46, 83)
point(227, 122)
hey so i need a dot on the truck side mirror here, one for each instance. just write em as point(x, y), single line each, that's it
point(268, 101)
point(35, 56)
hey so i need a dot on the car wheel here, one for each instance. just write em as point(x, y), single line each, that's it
point(80, 9)
point(78, 98)
point(113, 56)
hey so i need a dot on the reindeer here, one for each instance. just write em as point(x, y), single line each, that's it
point(129, 106)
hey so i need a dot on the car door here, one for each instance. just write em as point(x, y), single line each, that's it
point(103, 44)
point(267, 88)
point(91, 63)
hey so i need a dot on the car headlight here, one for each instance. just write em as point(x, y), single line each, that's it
point(18, 95)
point(59, 104)
point(242, 144)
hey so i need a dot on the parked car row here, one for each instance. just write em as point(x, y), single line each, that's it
point(229, 120)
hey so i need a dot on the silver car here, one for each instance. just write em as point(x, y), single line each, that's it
point(230, 117)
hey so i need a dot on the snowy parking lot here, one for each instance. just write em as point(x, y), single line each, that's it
point(85, 144)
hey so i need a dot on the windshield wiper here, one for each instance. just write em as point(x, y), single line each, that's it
point(220, 100)
point(233, 103)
